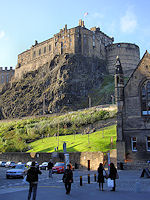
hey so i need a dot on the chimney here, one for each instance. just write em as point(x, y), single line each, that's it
point(65, 27)
point(80, 22)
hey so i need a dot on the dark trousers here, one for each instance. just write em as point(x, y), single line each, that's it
point(114, 188)
point(100, 183)
point(32, 188)
point(68, 187)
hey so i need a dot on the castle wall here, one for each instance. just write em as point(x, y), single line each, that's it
point(43, 52)
point(6, 75)
point(129, 55)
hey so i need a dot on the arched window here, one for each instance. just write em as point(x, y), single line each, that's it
point(146, 98)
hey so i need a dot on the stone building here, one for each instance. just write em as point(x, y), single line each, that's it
point(133, 119)
point(6, 75)
point(78, 40)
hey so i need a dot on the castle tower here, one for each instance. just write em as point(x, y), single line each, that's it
point(119, 97)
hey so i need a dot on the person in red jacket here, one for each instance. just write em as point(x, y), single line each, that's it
point(32, 178)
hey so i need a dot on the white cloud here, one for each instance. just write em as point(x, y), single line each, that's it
point(2, 34)
point(128, 22)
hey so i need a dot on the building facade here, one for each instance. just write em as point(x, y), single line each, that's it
point(78, 40)
point(133, 118)
point(6, 75)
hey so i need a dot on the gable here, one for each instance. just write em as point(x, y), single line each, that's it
point(140, 74)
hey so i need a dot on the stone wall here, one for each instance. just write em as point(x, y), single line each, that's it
point(129, 56)
point(6, 75)
point(79, 159)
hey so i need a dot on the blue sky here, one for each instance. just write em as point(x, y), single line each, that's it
point(24, 21)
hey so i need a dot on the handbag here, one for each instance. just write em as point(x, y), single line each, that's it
point(25, 180)
point(110, 183)
point(104, 173)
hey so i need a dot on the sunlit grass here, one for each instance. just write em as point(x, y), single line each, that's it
point(98, 141)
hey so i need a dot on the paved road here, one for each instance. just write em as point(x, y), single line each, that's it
point(129, 186)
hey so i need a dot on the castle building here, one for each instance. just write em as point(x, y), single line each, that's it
point(6, 75)
point(79, 40)
point(133, 117)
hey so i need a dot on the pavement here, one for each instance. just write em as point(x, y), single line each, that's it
point(129, 186)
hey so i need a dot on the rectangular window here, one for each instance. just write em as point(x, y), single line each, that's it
point(34, 54)
point(2, 81)
point(39, 52)
point(44, 49)
point(49, 47)
point(148, 143)
point(7, 78)
point(133, 144)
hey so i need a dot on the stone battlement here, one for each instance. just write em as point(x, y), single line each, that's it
point(6, 75)
point(6, 69)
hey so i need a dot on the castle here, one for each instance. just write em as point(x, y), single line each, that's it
point(6, 75)
point(79, 40)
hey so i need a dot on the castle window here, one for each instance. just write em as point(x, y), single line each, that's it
point(39, 52)
point(148, 143)
point(7, 78)
point(44, 49)
point(145, 99)
point(34, 54)
point(2, 79)
point(49, 47)
point(133, 144)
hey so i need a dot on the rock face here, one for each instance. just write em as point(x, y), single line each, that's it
point(61, 85)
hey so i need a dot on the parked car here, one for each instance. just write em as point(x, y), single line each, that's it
point(10, 164)
point(58, 168)
point(28, 164)
point(18, 172)
point(44, 166)
point(2, 163)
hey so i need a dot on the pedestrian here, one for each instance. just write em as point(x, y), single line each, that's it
point(68, 179)
point(101, 174)
point(113, 175)
point(50, 166)
point(32, 178)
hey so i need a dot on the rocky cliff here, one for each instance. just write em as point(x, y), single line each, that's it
point(61, 85)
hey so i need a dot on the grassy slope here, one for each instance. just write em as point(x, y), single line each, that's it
point(78, 142)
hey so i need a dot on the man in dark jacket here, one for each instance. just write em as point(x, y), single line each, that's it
point(32, 178)
point(68, 179)
point(50, 166)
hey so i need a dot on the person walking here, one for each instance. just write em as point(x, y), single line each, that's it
point(113, 175)
point(68, 179)
point(101, 174)
point(50, 166)
point(32, 178)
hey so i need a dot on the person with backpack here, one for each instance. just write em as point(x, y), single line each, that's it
point(32, 178)
point(50, 166)
point(68, 179)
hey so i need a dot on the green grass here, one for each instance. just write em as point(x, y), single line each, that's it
point(16, 135)
point(98, 141)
